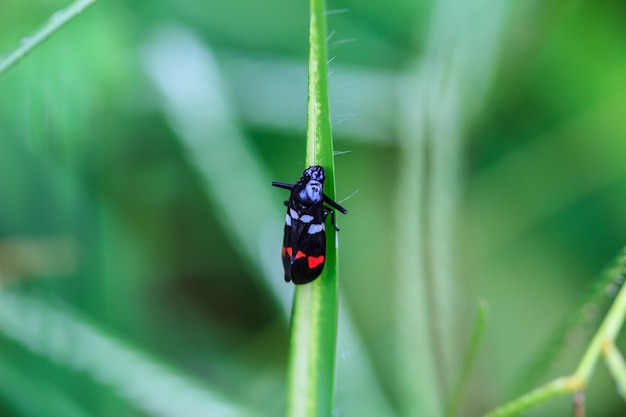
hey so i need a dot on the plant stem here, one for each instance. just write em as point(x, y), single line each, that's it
point(602, 343)
point(314, 316)
point(578, 408)
point(616, 364)
point(608, 331)
point(537, 396)
point(470, 359)
point(55, 22)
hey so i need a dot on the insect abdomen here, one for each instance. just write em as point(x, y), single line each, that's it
point(304, 245)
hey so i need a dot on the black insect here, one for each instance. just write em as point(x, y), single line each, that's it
point(304, 244)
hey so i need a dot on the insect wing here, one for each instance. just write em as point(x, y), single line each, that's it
point(304, 244)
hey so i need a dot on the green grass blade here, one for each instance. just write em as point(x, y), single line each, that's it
point(542, 394)
point(607, 331)
point(616, 364)
point(470, 359)
point(571, 338)
point(438, 101)
point(47, 328)
point(217, 148)
point(56, 22)
point(314, 316)
point(600, 344)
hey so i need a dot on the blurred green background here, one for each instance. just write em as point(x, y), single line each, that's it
point(139, 235)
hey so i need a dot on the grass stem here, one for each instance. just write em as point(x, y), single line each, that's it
point(55, 22)
point(314, 316)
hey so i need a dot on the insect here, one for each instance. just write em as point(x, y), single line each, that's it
point(304, 244)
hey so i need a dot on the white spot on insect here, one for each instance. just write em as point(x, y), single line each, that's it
point(316, 228)
point(306, 218)
point(288, 220)
point(293, 214)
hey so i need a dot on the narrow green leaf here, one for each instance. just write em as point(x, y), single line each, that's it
point(609, 328)
point(617, 366)
point(604, 336)
point(552, 389)
point(314, 316)
point(48, 328)
point(438, 100)
point(570, 339)
point(56, 22)
point(470, 359)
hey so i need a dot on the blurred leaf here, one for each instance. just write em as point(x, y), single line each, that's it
point(64, 338)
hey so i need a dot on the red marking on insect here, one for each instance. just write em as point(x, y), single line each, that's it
point(287, 251)
point(300, 254)
point(315, 261)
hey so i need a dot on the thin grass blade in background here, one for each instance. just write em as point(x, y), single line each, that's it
point(188, 79)
point(56, 22)
point(438, 100)
point(45, 327)
point(572, 337)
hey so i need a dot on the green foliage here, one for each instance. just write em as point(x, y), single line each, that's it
point(140, 237)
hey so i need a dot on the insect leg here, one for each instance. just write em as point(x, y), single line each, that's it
point(332, 216)
point(282, 185)
point(332, 203)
